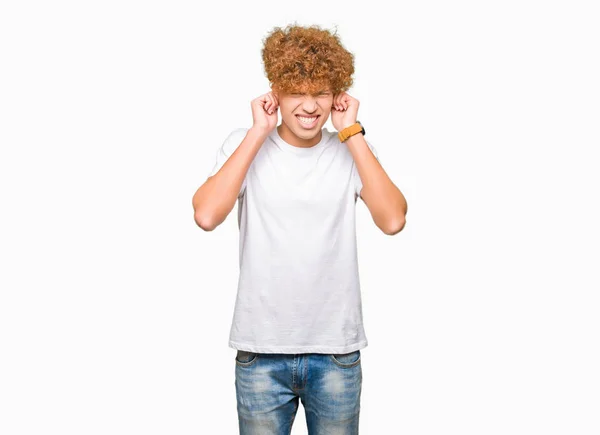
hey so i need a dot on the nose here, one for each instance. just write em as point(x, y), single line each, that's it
point(309, 105)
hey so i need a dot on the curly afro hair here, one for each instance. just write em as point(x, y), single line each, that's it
point(306, 59)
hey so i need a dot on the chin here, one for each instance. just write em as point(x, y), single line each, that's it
point(307, 134)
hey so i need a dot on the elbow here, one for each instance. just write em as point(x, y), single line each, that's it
point(208, 216)
point(201, 217)
point(203, 222)
point(396, 224)
point(395, 227)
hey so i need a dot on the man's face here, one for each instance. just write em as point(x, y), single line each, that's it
point(304, 113)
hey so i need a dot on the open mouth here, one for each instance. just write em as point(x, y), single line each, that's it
point(307, 121)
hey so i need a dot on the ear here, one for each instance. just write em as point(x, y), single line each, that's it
point(274, 89)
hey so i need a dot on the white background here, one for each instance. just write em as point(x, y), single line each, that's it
point(482, 315)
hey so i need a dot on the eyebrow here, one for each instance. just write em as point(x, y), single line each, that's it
point(303, 93)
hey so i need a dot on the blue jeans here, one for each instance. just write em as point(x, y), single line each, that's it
point(269, 387)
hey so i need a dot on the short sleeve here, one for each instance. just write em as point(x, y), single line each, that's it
point(357, 181)
point(230, 144)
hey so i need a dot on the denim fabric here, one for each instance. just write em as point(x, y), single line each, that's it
point(269, 387)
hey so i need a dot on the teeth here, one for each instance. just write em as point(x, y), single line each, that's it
point(307, 120)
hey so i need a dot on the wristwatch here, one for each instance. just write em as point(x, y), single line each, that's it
point(351, 131)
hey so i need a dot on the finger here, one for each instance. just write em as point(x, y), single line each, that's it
point(271, 104)
point(347, 101)
point(266, 102)
point(262, 101)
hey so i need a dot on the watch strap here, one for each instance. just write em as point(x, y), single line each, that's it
point(351, 130)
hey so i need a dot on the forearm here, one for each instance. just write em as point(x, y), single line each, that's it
point(384, 200)
point(215, 199)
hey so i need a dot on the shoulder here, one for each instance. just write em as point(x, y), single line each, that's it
point(233, 140)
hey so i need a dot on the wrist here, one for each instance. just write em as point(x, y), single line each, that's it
point(353, 129)
point(259, 131)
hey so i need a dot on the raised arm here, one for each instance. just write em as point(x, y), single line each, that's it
point(215, 199)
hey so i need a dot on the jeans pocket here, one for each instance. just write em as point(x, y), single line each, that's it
point(245, 358)
point(346, 360)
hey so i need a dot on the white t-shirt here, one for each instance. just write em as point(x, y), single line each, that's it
point(298, 288)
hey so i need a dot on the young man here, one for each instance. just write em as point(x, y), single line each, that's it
point(297, 324)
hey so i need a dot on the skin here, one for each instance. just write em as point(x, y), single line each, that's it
point(323, 103)
point(215, 199)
